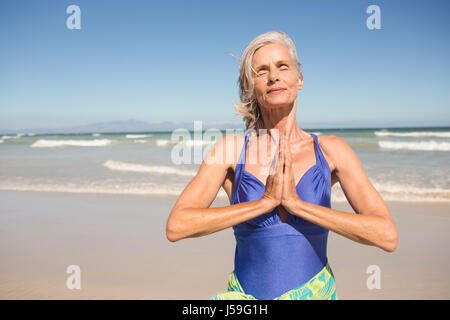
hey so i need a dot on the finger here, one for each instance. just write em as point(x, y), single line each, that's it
point(282, 157)
point(279, 153)
point(288, 167)
point(274, 165)
point(288, 157)
point(285, 147)
point(286, 171)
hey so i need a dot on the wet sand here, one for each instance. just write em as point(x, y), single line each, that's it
point(119, 243)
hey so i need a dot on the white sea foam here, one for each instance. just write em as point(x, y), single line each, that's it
point(96, 188)
point(197, 143)
point(187, 143)
point(136, 167)
point(391, 191)
point(413, 134)
point(43, 143)
point(1, 140)
point(140, 141)
point(96, 134)
point(137, 136)
point(107, 189)
point(165, 142)
point(13, 137)
point(413, 190)
point(388, 191)
point(419, 145)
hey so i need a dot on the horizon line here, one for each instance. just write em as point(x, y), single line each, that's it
point(169, 131)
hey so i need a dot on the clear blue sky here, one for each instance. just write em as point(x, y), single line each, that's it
point(167, 60)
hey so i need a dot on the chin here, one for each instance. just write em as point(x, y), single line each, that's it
point(278, 103)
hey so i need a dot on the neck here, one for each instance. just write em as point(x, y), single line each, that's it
point(284, 120)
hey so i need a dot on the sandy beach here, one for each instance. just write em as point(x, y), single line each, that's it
point(119, 243)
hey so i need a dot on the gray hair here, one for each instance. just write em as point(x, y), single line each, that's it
point(249, 108)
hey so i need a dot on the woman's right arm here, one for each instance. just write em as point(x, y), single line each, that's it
point(191, 215)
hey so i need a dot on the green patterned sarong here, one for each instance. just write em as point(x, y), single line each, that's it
point(319, 287)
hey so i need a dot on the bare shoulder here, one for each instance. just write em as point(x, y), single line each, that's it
point(336, 150)
point(226, 150)
point(235, 143)
point(330, 146)
point(231, 146)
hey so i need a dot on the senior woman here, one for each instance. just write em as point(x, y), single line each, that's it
point(280, 209)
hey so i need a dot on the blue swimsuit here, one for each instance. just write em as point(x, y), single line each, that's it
point(273, 257)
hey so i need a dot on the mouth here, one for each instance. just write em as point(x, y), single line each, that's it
point(275, 90)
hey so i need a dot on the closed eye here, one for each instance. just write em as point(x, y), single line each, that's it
point(261, 72)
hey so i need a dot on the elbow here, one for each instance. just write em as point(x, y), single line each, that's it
point(393, 245)
point(390, 242)
point(180, 227)
point(390, 246)
point(172, 232)
point(171, 236)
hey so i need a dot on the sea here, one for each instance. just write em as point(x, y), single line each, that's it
point(403, 164)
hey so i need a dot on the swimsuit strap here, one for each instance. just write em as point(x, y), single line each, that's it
point(240, 167)
point(243, 155)
point(320, 159)
point(316, 149)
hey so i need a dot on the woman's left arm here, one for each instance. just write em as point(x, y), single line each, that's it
point(373, 223)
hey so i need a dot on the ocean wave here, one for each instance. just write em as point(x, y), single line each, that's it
point(409, 189)
point(13, 137)
point(413, 134)
point(197, 143)
point(43, 143)
point(135, 167)
point(96, 134)
point(96, 188)
point(388, 191)
point(187, 142)
point(164, 142)
point(114, 189)
point(400, 192)
point(136, 136)
point(337, 195)
point(419, 145)
point(1, 140)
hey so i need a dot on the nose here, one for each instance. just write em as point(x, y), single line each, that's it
point(273, 76)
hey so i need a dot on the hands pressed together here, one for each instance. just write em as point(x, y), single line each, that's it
point(280, 185)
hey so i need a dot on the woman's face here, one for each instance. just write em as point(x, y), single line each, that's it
point(276, 79)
